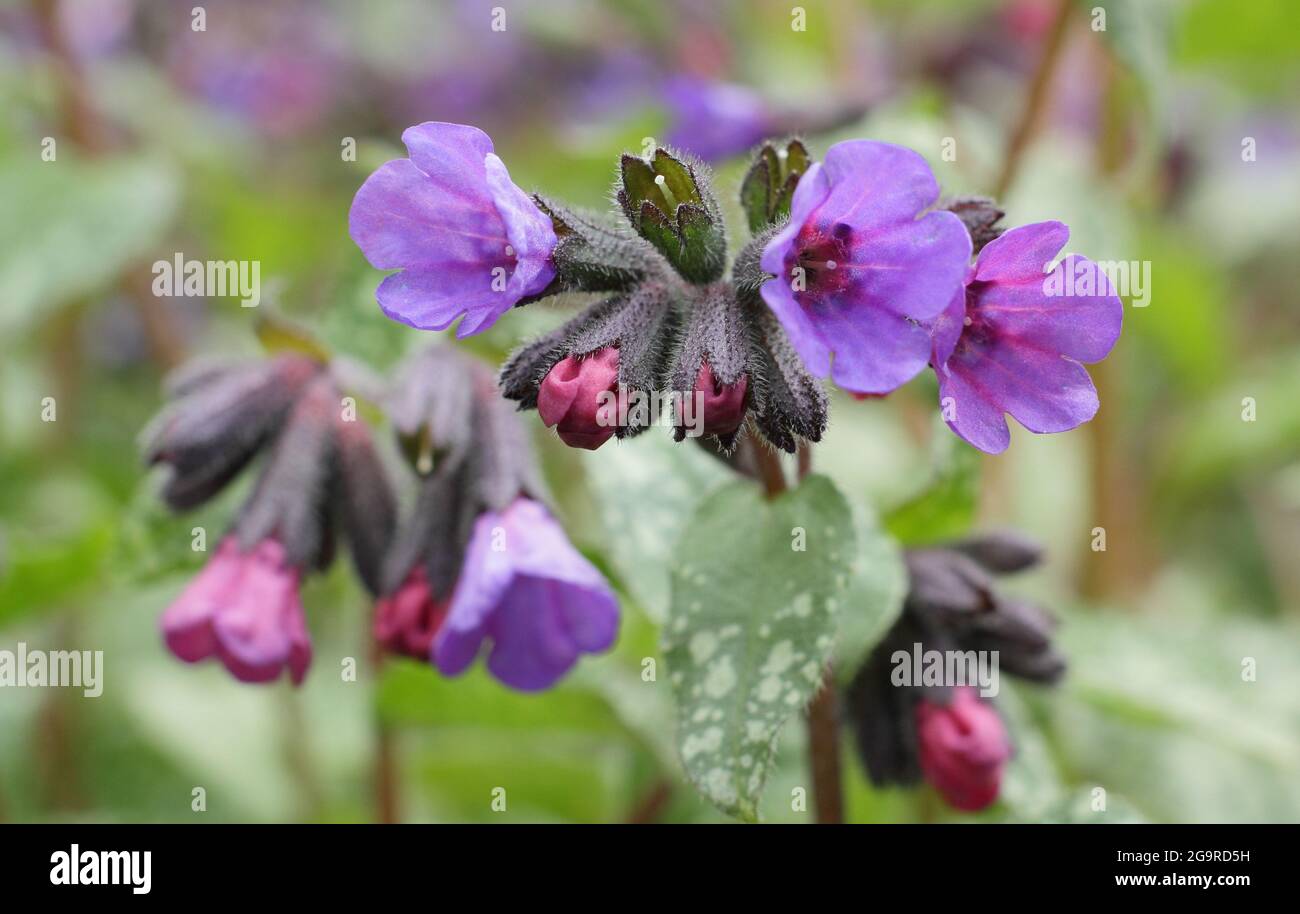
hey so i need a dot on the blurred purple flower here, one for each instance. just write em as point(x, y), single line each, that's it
point(526, 589)
point(715, 120)
point(244, 609)
point(856, 269)
point(466, 239)
point(1013, 337)
point(282, 67)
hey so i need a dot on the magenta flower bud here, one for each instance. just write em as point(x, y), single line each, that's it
point(466, 240)
point(407, 621)
point(724, 404)
point(570, 398)
point(243, 608)
point(963, 749)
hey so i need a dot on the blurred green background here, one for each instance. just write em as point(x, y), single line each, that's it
point(231, 143)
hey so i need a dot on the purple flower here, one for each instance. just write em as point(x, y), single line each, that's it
point(715, 120)
point(1012, 339)
point(524, 587)
point(466, 239)
point(857, 270)
point(244, 609)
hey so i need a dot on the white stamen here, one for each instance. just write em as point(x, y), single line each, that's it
point(668, 194)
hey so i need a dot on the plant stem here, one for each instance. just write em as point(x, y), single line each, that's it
point(385, 762)
point(1035, 99)
point(824, 724)
point(824, 753)
point(651, 806)
point(385, 775)
point(768, 464)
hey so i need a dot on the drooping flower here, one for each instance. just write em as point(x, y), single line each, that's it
point(524, 588)
point(1012, 339)
point(574, 398)
point(480, 559)
point(466, 240)
point(321, 477)
point(857, 269)
point(945, 732)
point(963, 748)
point(243, 608)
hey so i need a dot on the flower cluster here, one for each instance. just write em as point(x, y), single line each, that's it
point(479, 560)
point(856, 271)
point(244, 607)
point(946, 732)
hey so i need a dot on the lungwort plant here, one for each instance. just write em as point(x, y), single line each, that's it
point(855, 270)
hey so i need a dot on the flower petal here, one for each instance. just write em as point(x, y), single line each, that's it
point(486, 575)
point(1022, 253)
point(947, 327)
point(433, 298)
point(876, 183)
point(531, 644)
point(402, 218)
point(1045, 392)
point(528, 229)
point(450, 154)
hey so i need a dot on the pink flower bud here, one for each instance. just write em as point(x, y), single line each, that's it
point(964, 748)
point(243, 608)
point(724, 404)
point(570, 398)
point(407, 621)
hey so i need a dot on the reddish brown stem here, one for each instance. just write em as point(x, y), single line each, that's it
point(768, 464)
point(1035, 99)
point(385, 770)
point(824, 754)
point(651, 807)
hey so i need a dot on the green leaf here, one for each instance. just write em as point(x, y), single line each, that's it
point(876, 591)
point(78, 226)
point(645, 491)
point(944, 507)
point(751, 627)
point(755, 190)
point(37, 574)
